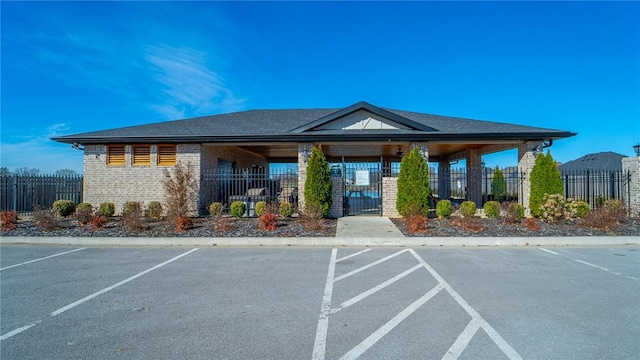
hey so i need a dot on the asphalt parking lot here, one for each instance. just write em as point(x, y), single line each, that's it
point(71, 302)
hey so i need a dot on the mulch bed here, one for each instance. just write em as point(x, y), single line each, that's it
point(249, 227)
point(498, 228)
point(202, 227)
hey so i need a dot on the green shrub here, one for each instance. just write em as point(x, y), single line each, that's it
point(261, 208)
point(285, 209)
point(215, 209)
point(413, 185)
point(545, 180)
point(468, 209)
point(130, 207)
point(64, 208)
point(492, 209)
point(317, 187)
point(83, 206)
point(106, 209)
point(237, 209)
point(513, 213)
point(581, 208)
point(498, 184)
point(444, 208)
point(155, 210)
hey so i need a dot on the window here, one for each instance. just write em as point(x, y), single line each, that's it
point(166, 155)
point(115, 155)
point(141, 155)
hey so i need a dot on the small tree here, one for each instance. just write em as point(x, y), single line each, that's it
point(413, 185)
point(498, 184)
point(317, 187)
point(545, 180)
point(180, 191)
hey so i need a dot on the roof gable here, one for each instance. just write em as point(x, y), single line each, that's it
point(606, 161)
point(363, 116)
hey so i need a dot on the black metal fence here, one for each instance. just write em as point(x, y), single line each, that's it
point(249, 186)
point(23, 193)
point(592, 186)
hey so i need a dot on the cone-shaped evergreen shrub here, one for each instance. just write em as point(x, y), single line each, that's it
point(413, 185)
point(498, 184)
point(545, 179)
point(317, 188)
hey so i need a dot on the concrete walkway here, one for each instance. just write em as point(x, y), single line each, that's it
point(350, 227)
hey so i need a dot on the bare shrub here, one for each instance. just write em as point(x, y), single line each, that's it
point(180, 191)
point(531, 224)
point(311, 217)
point(605, 217)
point(84, 215)
point(133, 216)
point(417, 223)
point(472, 224)
point(268, 221)
point(45, 219)
point(183, 223)
point(513, 213)
point(8, 220)
point(223, 224)
point(98, 222)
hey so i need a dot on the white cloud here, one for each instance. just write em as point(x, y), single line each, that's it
point(40, 152)
point(190, 86)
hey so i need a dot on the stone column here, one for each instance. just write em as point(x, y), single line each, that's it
point(337, 197)
point(631, 192)
point(444, 179)
point(425, 149)
point(526, 160)
point(389, 196)
point(304, 151)
point(474, 176)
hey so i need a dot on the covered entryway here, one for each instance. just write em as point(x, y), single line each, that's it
point(362, 188)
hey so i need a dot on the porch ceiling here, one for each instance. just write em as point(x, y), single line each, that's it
point(279, 152)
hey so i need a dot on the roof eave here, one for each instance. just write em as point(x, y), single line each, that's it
point(304, 137)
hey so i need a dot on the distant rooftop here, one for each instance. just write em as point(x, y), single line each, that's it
point(608, 160)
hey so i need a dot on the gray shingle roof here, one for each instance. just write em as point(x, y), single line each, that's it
point(608, 161)
point(299, 124)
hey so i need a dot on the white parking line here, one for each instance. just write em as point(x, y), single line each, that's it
point(86, 298)
point(320, 343)
point(593, 265)
point(19, 330)
point(390, 325)
point(549, 251)
point(375, 289)
point(42, 258)
point(462, 341)
point(353, 255)
point(493, 334)
point(341, 277)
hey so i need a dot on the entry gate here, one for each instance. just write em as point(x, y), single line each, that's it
point(362, 188)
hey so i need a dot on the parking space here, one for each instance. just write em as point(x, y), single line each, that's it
point(268, 303)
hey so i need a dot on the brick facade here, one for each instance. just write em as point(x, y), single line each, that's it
point(389, 196)
point(631, 192)
point(119, 184)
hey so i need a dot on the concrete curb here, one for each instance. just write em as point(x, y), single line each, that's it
point(328, 241)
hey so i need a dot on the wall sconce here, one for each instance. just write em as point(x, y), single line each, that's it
point(399, 152)
point(305, 155)
point(77, 146)
point(636, 148)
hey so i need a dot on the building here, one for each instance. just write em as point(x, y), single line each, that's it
point(126, 164)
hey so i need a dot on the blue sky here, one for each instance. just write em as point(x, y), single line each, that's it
point(71, 67)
